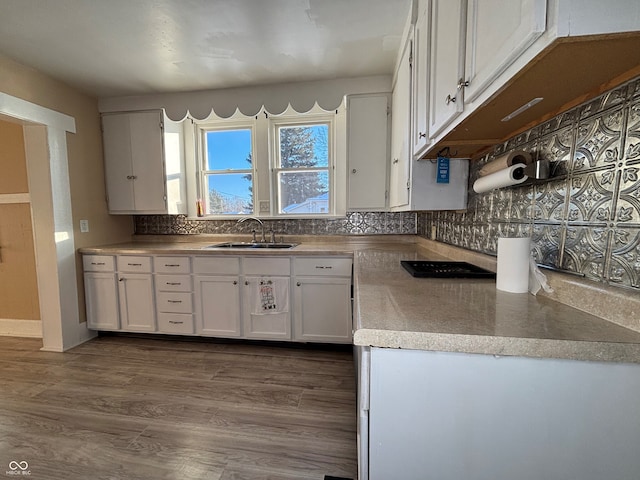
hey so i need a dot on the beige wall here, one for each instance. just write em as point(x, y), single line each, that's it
point(18, 281)
point(13, 163)
point(86, 170)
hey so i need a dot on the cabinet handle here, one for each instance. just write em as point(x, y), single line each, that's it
point(134, 264)
point(450, 99)
point(172, 322)
point(298, 284)
point(462, 84)
point(174, 301)
point(235, 282)
point(97, 263)
point(129, 177)
point(173, 283)
point(323, 267)
point(422, 135)
point(395, 160)
point(171, 265)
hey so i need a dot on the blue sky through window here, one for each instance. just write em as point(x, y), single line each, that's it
point(227, 152)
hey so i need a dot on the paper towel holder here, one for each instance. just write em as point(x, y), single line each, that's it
point(539, 170)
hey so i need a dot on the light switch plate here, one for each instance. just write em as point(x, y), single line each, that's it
point(84, 226)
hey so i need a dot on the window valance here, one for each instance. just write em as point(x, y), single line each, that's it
point(275, 99)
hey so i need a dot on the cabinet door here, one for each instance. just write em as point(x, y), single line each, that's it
point(116, 139)
point(448, 26)
point(420, 93)
point(491, 50)
point(323, 309)
point(267, 326)
point(137, 306)
point(368, 151)
point(400, 137)
point(147, 154)
point(101, 300)
point(217, 305)
point(134, 162)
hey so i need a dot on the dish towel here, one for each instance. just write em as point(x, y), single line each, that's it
point(270, 295)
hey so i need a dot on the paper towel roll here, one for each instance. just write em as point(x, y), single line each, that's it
point(512, 175)
point(505, 161)
point(512, 273)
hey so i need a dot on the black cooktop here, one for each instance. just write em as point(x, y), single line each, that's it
point(432, 269)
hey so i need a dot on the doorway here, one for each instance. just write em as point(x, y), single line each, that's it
point(45, 147)
point(19, 301)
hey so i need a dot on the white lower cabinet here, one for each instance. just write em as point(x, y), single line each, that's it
point(322, 299)
point(101, 298)
point(221, 296)
point(266, 312)
point(101, 292)
point(217, 296)
point(137, 309)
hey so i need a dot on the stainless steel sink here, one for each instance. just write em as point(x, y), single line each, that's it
point(246, 245)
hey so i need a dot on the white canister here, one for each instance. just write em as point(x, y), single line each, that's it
point(512, 274)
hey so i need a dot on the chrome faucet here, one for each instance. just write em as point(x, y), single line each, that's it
point(263, 238)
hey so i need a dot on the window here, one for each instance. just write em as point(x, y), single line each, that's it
point(227, 172)
point(302, 169)
point(287, 165)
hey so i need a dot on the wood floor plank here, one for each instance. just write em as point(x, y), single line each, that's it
point(136, 408)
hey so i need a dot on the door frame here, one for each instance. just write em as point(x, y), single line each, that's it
point(45, 133)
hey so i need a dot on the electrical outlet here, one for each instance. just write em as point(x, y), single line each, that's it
point(433, 232)
point(84, 226)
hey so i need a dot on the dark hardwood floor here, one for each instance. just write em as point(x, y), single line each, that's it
point(145, 408)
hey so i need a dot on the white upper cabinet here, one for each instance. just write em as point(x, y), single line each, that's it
point(420, 93)
point(446, 73)
point(144, 163)
point(399, 169)
point(494, 45)
point(478, 50)
point(368, 151)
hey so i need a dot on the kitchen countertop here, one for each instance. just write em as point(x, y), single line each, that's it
point(395, 310)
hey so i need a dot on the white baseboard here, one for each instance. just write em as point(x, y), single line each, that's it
point(20, 328)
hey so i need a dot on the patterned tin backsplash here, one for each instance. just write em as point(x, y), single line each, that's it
point(356, 223)
point(585, 219)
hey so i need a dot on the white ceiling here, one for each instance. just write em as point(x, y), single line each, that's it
point(133, 47)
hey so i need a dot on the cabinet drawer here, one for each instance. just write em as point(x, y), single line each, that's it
point(98, 263)
point(172, 265)
point(217, 265)
point(266, 266)
point(323, 266)
point(173, 283)
point(175, 323)
point(174, 302)
point(130, 263)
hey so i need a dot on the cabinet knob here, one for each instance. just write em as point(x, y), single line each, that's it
point(235, 282)
point(450, 99)
point(395, 160)
point(353, 171)
point(421, 135)
point(246, 283)
point(462, 84)
point(121, 279)
point(298, 284)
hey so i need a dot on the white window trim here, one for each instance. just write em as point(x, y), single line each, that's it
point(201, 167)
point(263, 155)
point(296, 120)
